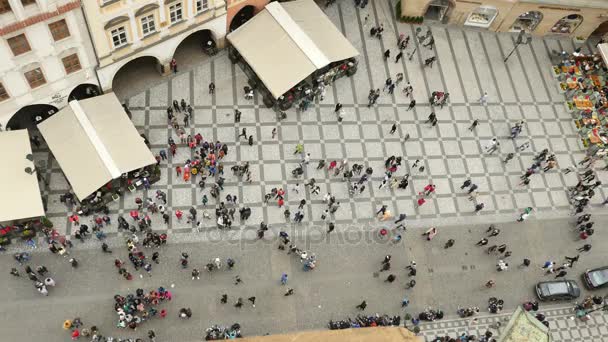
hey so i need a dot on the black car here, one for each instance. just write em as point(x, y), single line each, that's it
point(596, 278)
point(557, 290)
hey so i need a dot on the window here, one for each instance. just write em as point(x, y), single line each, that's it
point(175, 13)
point(59, 30)
point(4, 6)
point(202, 5)
point(19, 44)
point(35, 78)
point(71, 63)
point(3, 93)
point(147, 25)
point(28, 2)
point(119, 36)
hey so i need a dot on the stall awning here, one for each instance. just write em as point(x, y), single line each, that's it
point(20, 191)
point(286, 42)
point(603, 48)
point(94, 142)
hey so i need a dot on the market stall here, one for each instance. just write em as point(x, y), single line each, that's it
point(584, 81)
point(98, 148)
point(21, 207)
point(288, 48)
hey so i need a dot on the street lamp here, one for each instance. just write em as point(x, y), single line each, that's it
point(520, 40)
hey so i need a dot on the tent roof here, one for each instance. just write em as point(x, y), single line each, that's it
point(377, 334)
point(286, 42)
point(523, 326)
point(94, 142)
point(21, 193)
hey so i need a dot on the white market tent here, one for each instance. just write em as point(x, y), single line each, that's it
point(94, 141)
point(20, 191)
point(288, 41)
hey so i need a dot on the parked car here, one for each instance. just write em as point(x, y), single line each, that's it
point(596, 278)
point(557, 290)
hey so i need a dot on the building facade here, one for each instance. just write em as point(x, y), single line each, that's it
point(125, 30)
point(46, 57)
point(578, 19)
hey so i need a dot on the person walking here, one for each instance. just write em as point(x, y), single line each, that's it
point(474, 124)
point(362, 306)
point(387, 54)
point(584, 248)
point(393, 129)
point(399, 56)
point(412, 105)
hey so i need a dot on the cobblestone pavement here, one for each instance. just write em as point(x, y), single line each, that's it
point(469, 63)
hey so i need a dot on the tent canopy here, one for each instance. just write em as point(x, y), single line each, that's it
point(376, 334)
point(603, 48)
point(286, 42)
point(21, 193)
point(94, 142)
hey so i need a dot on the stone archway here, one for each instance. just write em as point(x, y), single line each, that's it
point(29, 116)
point(192, 49)
point(135, 75)
point(241, 17)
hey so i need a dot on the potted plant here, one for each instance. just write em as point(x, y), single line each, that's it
point(5, 240)
point(416, 330)
point(46, 222)
point(27, 234)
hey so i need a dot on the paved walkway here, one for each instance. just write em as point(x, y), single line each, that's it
point(469, 62)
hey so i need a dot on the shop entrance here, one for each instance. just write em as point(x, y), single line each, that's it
point(84, 91)
point(438, 10)
point(527, 22)
point(567, 24)
point(29, 116)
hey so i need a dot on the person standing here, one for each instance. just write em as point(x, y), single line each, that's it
point(393, 128)
point(173, 65)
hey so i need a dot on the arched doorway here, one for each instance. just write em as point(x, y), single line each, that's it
point(567, 24)
point(601, 30)
point(136, 75)
point(241, 17)
point(527, 21)
point(482, 16)
point(84, 91)
point(438, 10)
point(191, 50)
point(29, 116)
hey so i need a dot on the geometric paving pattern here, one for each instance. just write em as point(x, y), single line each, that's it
point(562, 327)
point(468, 63)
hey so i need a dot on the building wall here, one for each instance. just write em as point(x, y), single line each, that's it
point(510, 10)
point(45, 53)
point(104, 17)
point(234, 6)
